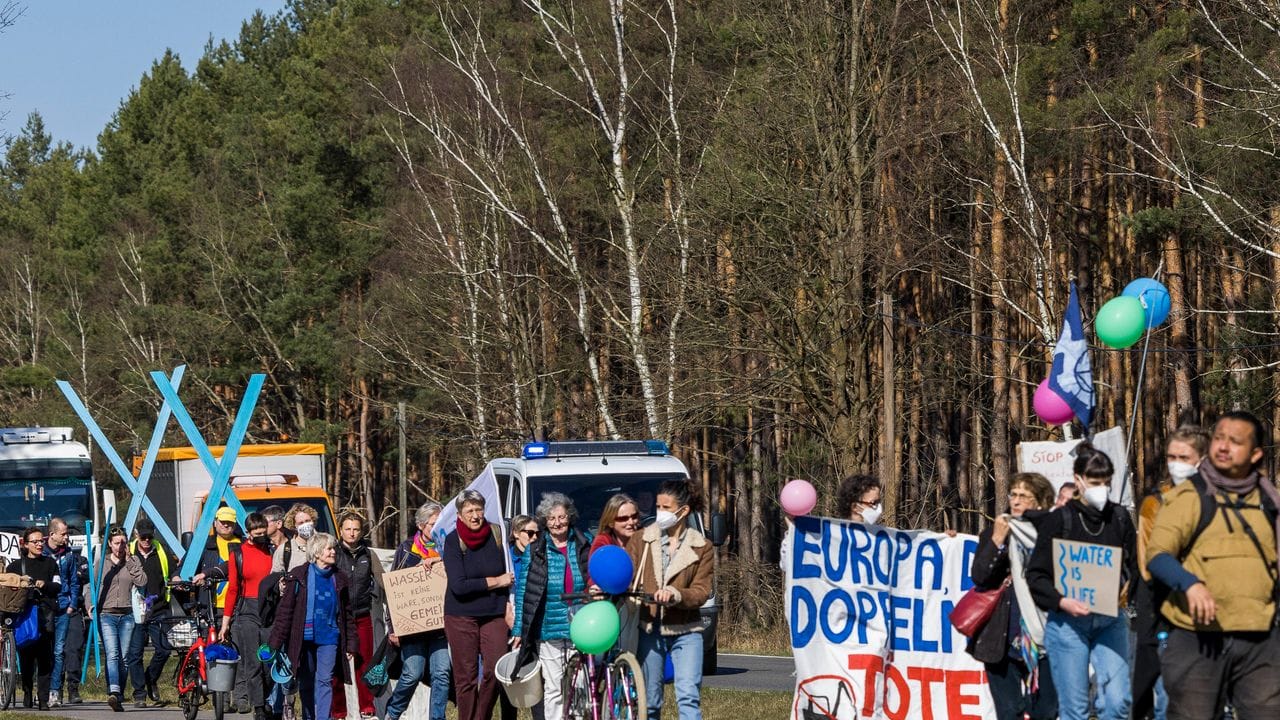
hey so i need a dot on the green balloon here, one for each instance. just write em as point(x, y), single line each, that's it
point(1120, 322)
point(594, 628)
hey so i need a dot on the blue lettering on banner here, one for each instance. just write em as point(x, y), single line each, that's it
point(931, 553)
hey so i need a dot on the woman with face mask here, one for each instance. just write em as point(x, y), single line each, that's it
point(240, 622)
point(859, 499)
point(676, 566)
point(1075, 637)
point(300, 526)
point(1187, 446)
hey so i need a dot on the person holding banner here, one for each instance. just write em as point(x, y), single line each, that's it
point(1013, 661)
point(475, 605)
point(1216, 551)
point(859, 499)
point(554, 564)
point(676, 565)
point(1086, 624)
point(422, 653)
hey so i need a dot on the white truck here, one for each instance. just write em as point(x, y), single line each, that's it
point(44, 474)
point(590, 472)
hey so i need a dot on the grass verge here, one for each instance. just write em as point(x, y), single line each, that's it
point(742, 638)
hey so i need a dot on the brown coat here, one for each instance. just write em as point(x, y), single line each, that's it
point(690, 573)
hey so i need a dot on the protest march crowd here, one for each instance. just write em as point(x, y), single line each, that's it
point(1191, 634)
point(280, 588)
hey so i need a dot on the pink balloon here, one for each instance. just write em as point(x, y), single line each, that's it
point(1050, 407)
point(798, 498)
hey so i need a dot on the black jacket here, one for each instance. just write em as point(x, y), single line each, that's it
point(991, 567)
point(1114, 527)
point(358, 565)
point(535, 591)
point(42, 568)
point(468, 593)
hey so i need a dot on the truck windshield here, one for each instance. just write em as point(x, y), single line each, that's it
point(590, 493)
point(35, 502)
point(324, 519)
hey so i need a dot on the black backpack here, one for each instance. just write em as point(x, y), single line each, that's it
point(269, 596)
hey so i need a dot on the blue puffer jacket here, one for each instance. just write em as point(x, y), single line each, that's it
point(540, 613)
point(69, 562)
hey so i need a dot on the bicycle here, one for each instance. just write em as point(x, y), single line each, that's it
point(13, 600)
point(611, 690)
point(195, 632)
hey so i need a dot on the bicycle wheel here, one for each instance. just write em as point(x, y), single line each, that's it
point(8, 668)
point(575, 688)
point(625, 687)
point(219, 704)
point(192, 697)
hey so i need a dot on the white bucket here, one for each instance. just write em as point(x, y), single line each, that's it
point(523, 687)
point(221, 675)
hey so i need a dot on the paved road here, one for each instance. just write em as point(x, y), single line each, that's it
point(737, 672)
point(754, 672)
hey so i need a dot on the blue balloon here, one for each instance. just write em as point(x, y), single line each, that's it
point(1154, 297)
point(610, 568)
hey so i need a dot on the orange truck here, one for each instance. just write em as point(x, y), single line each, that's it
point(263, 475)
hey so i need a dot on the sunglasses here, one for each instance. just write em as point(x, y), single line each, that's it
point(626, 518)
point(530, 533)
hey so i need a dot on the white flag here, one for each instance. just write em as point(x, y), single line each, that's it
point(486, 483)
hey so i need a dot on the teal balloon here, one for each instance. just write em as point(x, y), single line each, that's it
point(1120, 322)
point(594, 628)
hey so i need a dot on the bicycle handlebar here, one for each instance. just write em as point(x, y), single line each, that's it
point(579, 597)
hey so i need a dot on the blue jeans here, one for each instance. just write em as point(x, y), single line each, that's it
point(117, 631)
point(1073, 643)
point(686, 657)
point(315, 680)
point(428, 653)
point(60, 624)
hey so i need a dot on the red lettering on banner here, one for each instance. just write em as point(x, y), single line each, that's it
point(894, 675)
point(873, 665)
point(960, 687)
point(956, 700)
point(926, 677)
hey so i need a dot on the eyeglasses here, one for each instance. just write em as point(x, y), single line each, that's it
point(34, 541)
point(626, 518)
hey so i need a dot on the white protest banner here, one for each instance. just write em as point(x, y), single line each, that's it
point(1054, 459)
point(10, 546)
point(868, 610)
point(1089, 573)
point(415, 598)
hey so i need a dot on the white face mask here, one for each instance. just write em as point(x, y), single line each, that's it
point(665, 519)
point(306, 530)
point(1180, 471)
point(1096, 496)
point(871, 515)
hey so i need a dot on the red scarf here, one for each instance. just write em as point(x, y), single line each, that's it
point(473, 539)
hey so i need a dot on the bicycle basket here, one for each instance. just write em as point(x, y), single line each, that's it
point(181, 633)
point(13, 597)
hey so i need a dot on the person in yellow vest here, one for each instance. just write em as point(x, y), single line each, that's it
point(156, 563)
point(221, 548)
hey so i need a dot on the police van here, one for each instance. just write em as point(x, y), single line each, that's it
point(590, 472)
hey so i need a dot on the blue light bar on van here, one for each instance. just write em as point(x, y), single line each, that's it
point(597, 448)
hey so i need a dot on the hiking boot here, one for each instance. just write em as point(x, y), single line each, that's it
point(243, 707)
point(153, 693)
point(113, 700)
point(73, 696)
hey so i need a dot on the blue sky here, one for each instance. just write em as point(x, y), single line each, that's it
point(75, 60)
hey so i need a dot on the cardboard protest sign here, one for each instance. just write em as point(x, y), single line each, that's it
point(415, 598)
point(1088, 572)
point(1054, 460)
point(868, 608)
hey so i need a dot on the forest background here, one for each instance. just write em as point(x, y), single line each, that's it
point(794, 238)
